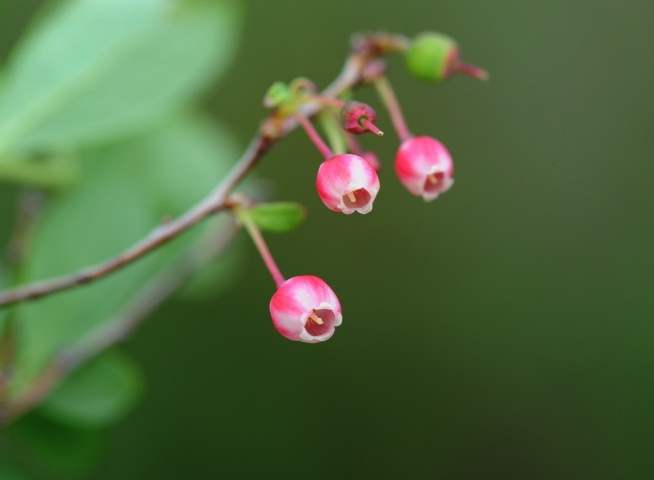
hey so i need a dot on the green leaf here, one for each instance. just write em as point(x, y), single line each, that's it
point(99, 393)
point(94, 71)
point(125, 191)
point(278, 217)
point(58, 448)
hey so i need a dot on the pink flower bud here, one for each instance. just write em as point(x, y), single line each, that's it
point(358, 118)
point(347, 183)
point(424, 166)
point(305, 309)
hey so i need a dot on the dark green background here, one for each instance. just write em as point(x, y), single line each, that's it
point(504, 331)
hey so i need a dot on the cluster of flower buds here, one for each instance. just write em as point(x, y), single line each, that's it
point(305, 308)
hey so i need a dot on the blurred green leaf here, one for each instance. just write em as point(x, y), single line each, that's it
point(279, 216)
point(58, 448)
point(93, 71)
point(99, 393)
point(278, 94)
point(126, 191)
point(59, 170)
point(9, 472)
point(4, 284)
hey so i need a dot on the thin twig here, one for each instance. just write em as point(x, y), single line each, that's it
point(366, 48)
point(121, 327)
point(212, 203)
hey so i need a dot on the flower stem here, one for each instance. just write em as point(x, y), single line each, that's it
point(333, 131)
point(252, 228)
point(314, 136)
point(386, 93)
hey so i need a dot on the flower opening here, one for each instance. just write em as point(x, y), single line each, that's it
point(424, 166)
point(347, 183)
point(305, 309)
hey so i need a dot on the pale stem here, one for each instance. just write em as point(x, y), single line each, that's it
point(389, 99)
point(214, 202)
point(333, 131)
point(314, 136)
point(260, 243)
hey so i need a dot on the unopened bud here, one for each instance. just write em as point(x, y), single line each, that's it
point(434, 57)
point(358, 118)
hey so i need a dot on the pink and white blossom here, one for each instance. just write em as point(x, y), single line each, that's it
point(347, 183)
point(305, 309)
point(424, 166)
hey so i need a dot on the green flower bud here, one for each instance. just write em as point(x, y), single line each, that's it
point(427, 56)
point(434, 57)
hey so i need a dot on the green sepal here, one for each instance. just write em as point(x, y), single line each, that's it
point(278, 217)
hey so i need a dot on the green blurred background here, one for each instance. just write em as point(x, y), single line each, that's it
point(503, 331)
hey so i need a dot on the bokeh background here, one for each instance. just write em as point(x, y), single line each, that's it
point(503, 331)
